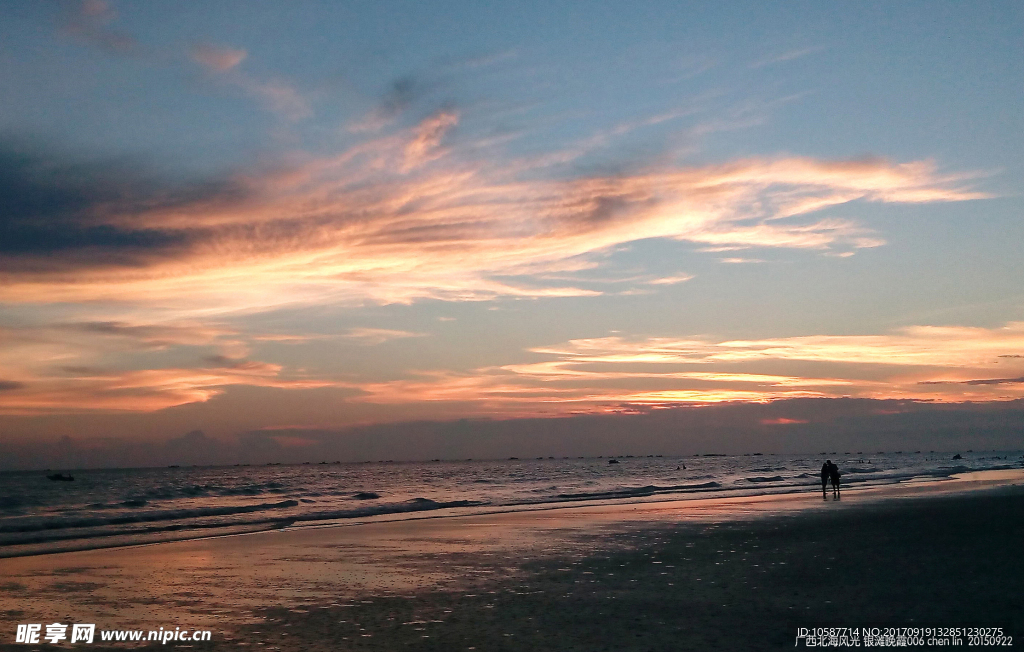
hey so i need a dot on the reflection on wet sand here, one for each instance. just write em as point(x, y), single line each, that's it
point(229, 583)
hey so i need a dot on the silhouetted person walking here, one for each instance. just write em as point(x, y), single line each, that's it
point(833, 475)
point(826, 473)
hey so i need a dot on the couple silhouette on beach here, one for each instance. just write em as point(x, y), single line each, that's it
point(829, 473)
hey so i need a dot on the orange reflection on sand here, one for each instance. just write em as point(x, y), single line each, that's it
point(205, 581)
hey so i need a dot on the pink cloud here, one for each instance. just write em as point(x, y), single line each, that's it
point(943, 364)
point(217, 58)
point(373, 336)
point(87, 22)
point(424, 145)
point(402, 217)
point(58, 373)
point(141, 391)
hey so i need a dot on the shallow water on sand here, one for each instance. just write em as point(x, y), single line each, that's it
point(102, 508)
point(225, 581)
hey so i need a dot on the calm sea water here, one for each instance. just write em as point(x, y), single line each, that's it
point(125, 506)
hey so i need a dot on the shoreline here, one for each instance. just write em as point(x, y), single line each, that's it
point(255, 588)
point(639, 495)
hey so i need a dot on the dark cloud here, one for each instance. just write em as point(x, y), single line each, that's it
point(77, 370)
point(605, 209)
point(220, 360)
point(192, 448)
point(40, 239)
point(211, 240)
point(121, 329)
point(8, 385)
point(227, 362)
point(36, 184)
point(50, 203)
point(159, 335)
point(982, 381)
point(109, 327)
point(395, 99)
point(815, 425)
point(53, 206)
point(402, 92)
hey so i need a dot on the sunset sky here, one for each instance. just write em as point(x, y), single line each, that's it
point(271, 217)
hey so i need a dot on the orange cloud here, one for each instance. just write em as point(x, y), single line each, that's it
point(56, 370)
point(671, 280)
point(154, 335)
point(948, 364)
point(402, 217)
point(217, 58)
point(377, 335)
point(913, 346)
point(416, 214)
point(492, 392)
point(140, 391)
point(423, 147)
point(277, 95)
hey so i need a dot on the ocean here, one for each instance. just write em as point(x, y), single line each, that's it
point(114, 507)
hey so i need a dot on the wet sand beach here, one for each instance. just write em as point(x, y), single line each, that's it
point(737, 574)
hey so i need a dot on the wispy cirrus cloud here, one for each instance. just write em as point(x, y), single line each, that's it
point(933, 346)
point(607, 374)
point(789, 55)
point(88, 21)
point(275, 94)
point(39, 350)
point(217, 58)
point(399, 217)
point(611, 373)
point(424, 146)
point(671, 280)
point(77, 367)
point(503, 392)
point(373, 336)
point(976, 381)
point(153, 335)
point(739, 261)
point(405, 216)
point(85, 390)
point(278, 95)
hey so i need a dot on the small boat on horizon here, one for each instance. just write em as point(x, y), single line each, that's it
point(60, 477)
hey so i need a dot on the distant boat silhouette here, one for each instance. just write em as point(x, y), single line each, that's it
point(60, 477)
point(613, 461)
